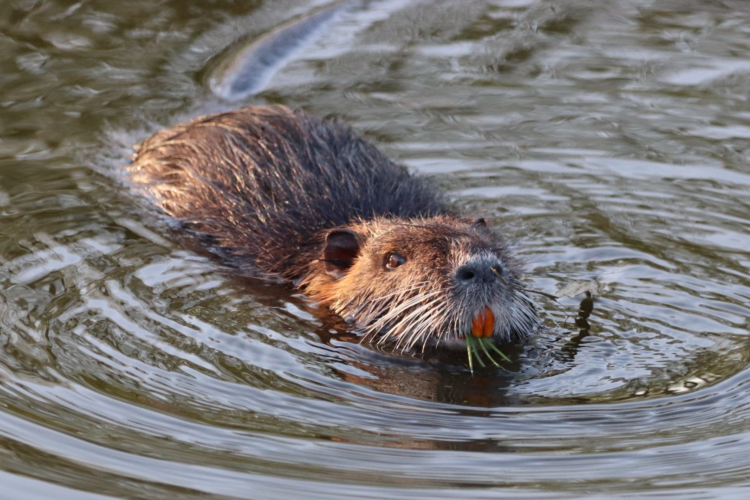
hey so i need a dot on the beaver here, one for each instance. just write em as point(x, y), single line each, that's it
point(286, 195)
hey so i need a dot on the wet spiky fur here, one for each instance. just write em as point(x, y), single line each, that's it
point(263, 187)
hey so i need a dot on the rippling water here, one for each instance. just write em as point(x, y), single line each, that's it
point(610, 139)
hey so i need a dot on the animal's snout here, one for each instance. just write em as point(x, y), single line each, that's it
point(479, 270)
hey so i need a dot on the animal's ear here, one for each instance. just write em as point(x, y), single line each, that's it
point(341, 248)
point(479, 223)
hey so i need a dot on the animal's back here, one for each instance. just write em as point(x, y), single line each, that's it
point(260, 185)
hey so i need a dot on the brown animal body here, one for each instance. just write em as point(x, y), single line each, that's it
point(287, 195)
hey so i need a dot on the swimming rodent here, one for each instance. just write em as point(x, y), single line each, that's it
point(287, 195)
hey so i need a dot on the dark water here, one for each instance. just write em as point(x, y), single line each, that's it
point(609, 138)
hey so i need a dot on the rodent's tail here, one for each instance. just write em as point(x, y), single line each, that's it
point(246, 67)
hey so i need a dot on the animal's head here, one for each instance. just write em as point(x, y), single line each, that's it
point(424, 281)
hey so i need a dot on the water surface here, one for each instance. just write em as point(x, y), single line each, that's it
point(609, 139)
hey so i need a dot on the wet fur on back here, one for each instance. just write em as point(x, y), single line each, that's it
point(260, 185)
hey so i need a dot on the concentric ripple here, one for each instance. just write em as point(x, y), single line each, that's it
point(609, 140)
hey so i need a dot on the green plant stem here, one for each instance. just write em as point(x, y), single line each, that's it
point(483, 344)
point(506, 358)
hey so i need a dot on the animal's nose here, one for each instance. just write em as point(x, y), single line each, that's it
point(477, 272)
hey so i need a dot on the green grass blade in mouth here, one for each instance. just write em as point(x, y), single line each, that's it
point(483, 344)
point(474, 344)
point(472, 349)
point(468, 353)
point(506, 358)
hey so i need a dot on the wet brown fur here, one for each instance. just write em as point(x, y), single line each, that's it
point(263, 187)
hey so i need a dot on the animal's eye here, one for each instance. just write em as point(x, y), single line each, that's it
point(393, 260)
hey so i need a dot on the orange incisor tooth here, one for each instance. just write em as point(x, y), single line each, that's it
point(477, 326)
point(484, 324)
point(489, 322)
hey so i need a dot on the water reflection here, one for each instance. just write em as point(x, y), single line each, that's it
point(607, 140)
